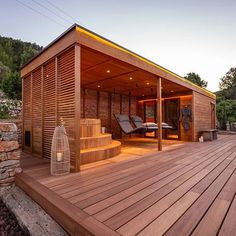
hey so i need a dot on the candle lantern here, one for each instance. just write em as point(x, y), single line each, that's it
point(60, 151)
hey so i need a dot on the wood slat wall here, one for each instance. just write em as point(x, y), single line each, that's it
point(27, 107)
point(49, 119)
point(37, 111)
point(186, 135)
point(66, 96)
point(202, 113)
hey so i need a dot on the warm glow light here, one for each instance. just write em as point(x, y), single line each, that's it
point(143, 95)
point(171, 91)
point(148, 83)
point(108, 71)
point(99, 86)
point(130, 78)
point(111, 44)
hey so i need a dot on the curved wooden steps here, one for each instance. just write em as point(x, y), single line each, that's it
point(100, 153)
point(97, 141)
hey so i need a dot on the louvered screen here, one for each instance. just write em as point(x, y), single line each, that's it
point(66, 96)
point(49, 93)
point(37, 112)
point(27, 108)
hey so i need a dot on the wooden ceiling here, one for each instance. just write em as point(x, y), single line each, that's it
point(101, 72)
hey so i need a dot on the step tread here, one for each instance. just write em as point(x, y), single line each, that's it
point(97, 136)
point(113, 144)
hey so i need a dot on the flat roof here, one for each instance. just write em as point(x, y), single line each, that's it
point(112, 44)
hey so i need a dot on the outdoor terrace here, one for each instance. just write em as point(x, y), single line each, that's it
point(189, 188)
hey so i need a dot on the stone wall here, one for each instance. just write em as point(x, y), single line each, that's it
point(9, 153)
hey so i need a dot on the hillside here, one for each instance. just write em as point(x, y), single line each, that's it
point(13, 54)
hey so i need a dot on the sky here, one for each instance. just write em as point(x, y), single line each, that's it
point(181, 35)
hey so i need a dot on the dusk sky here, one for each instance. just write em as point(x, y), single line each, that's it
point(183, 36)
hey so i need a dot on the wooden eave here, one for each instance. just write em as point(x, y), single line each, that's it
point(82, 36)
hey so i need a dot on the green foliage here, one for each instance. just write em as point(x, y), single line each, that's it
point(11, 85)
point(226, 99)
point(226, 111)
point(13, 54)
point(228, 84)
point(196, 79)
point(4, 111)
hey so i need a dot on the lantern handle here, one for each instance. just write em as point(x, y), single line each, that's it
point(62, 122)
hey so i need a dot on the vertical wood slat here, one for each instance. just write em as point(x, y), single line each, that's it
point(66, 97)
point(23, 113)
point(42, 100)
point(109, 111)
point(159, 113)
point(98, 104)
point(49, 106)
point(77, 69)
point(56, 89)
point(31, 112)
point(27, 108)
point(193, 117)
point(37, 111)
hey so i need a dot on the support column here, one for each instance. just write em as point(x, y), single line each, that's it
point(159, 114)
point(77, 106)
point(193, 116)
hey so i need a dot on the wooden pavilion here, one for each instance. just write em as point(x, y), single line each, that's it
point(83, 75)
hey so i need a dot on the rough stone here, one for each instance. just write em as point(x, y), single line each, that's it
point(30, 215)
point(8, 127)
point(9, 163)
point(7, 181)
point(9, 136)
point(6, 146)
point(9, 154)
point(3, 156)
point(4, 175)
point(14, 155)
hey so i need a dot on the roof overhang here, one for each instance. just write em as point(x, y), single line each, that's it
point(83, 36)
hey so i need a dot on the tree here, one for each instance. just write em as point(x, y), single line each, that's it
point(196, 79)
point(11, 85)
point(226, 111)
point(228, 84)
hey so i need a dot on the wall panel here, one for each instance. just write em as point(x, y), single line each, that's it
point(26, 107)
point(37, 111)
point(49, 96)
point(66, 96)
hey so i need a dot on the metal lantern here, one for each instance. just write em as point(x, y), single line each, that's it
point(60, 152)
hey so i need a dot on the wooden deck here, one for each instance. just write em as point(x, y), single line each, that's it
point(189, 189)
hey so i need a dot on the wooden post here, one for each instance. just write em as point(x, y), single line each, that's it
point(77, 105)
point(31, 112)
point(193, 116)
point(42, 108)
point(23, 114)
point(56, 90)
point(159, 114)
point(98, 104)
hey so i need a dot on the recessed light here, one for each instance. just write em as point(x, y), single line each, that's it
point(108, 71)
point(99, 86)
point(130, 78)
point(148, 83)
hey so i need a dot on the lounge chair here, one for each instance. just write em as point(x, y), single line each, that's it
point(126, 126)
point(138, 122)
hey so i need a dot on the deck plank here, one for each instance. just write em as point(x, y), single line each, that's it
point(180, 191)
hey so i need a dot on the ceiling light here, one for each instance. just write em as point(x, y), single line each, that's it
point(143, 95)
point(171, 91)
point(148, 83)
point(130, 78)
point(99, 86)
point(108, 71)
